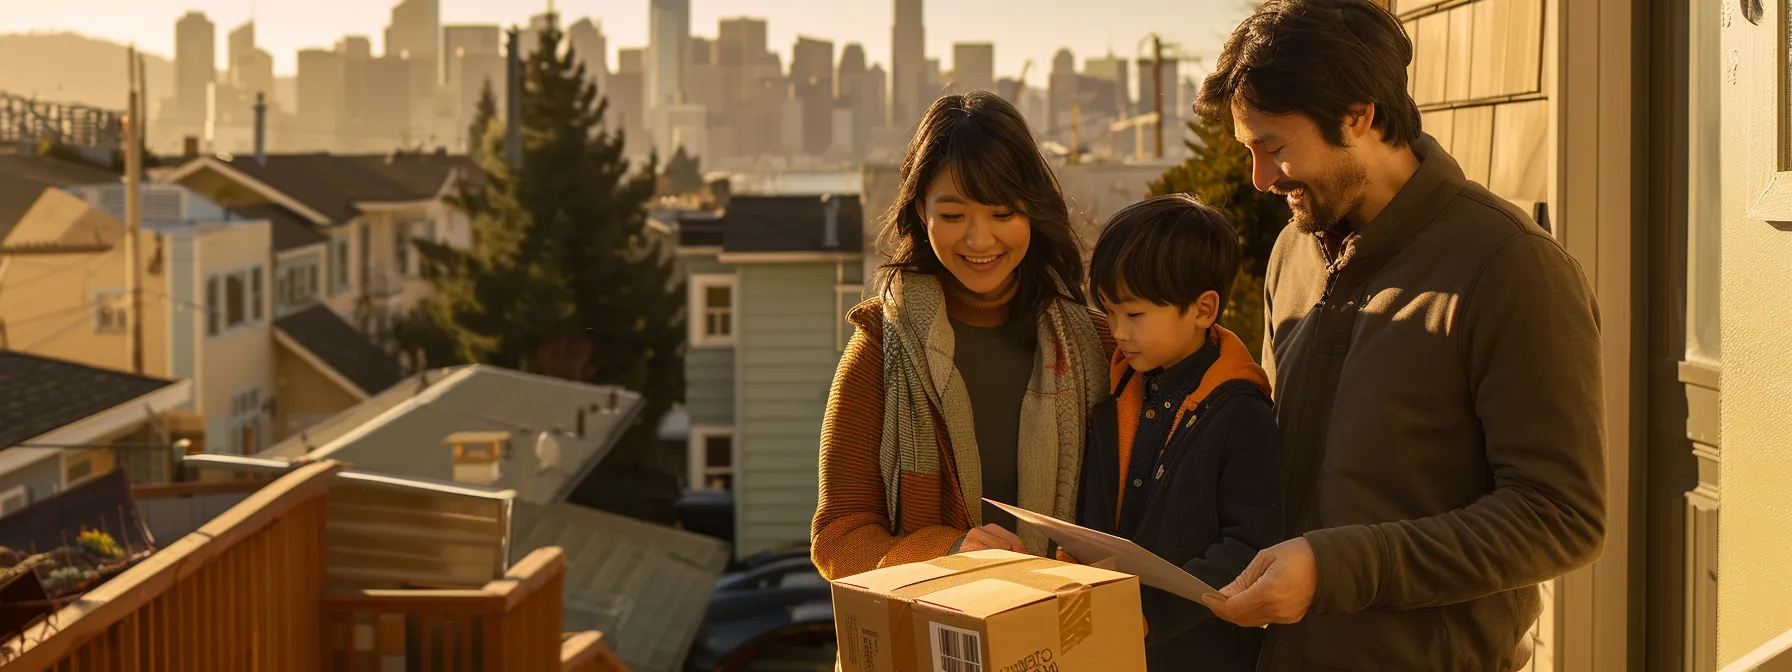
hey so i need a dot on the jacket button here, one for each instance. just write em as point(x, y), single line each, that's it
point(1166, 404)
point(1138, 482)
point(1150, 413)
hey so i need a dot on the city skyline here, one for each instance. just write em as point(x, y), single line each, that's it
point(1035, 32)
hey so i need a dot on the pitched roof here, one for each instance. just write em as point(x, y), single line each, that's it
point(400, 431)
point(791, 224)
point(332, 183)
point(289, 230)
point(342, 347)
point(645, 586)
point(699, 230)
point(39, 394)
point(24, 178)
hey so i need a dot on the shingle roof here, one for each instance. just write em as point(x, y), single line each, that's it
point(699, 231)
point(24, 178)
point(400, 431)
point(332, 184)
point(645, 586)
point(790, 224)
point(288, 229)
point(342, 347)
point(39, 394)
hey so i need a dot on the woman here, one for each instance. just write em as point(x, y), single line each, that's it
point(972, 373)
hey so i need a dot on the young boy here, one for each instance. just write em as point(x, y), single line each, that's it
point(1185, 459)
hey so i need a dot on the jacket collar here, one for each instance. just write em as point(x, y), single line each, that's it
point(1430, 189)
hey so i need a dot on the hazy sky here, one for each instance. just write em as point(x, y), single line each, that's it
point(1020, 29)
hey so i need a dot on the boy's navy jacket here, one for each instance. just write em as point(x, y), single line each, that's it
point(1215, 498)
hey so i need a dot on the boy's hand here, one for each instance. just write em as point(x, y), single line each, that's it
point(991, 536)
point(1065, 557)
point(1277, 587)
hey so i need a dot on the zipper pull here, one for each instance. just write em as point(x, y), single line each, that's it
point(1160, 473)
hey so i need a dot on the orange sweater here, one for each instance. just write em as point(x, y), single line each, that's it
point(850, 533)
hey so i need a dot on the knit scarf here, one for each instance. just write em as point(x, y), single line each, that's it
point(920, 377)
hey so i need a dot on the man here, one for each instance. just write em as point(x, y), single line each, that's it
point(1436, 364)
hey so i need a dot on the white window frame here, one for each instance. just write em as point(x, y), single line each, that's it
point(70, 458)
point(842, 334)
point(697, 313)
point(245, 412)
point(18, 492)
point(339, 257)
point(255, 299)
point(98, 300)
point(297, 283)
point(697, 468)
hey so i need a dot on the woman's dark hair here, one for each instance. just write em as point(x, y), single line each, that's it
point(988, 146)
point(1168, 250)
point(1316, 58)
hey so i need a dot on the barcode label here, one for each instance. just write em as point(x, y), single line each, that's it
point(955, 650)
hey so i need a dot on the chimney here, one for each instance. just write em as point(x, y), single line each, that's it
point(261, 130)
point(190, 146)
point(830, 235)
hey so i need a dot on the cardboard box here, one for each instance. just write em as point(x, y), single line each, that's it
point(989, 611)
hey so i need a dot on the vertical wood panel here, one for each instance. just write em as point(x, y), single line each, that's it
point(1461, 59)
point(1474, 142)
point(1520, 165)
point(1432, 59)
point(1487, 76)
point(1524, 47)
point(1440, 125)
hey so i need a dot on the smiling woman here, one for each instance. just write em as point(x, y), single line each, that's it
point(971, 374)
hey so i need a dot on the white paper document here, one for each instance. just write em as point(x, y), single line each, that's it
point(1110, 552)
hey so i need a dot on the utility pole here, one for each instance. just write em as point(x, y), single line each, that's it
point(1076, 131)
point(133, 212)
point(1157, 90)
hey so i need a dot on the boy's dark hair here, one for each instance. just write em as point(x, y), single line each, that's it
point(1316, 58)
point(1168, 250)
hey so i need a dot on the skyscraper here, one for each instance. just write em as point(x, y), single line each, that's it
point(242, 52)
point(668, 31)
point(251, 69)
point(195, 66)
point(1063, 91)
point(908, 65)
point(812, 82)
point(461, 43)
point(415, 30)
point(740, 45)
point(587, 40)
point(974, 66)
point(322, 85)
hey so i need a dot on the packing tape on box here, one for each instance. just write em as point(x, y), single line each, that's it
point(1076, 614)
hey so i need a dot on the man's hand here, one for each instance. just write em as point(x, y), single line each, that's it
point(1277, 587)
point(991, 536)
point(1065, 557)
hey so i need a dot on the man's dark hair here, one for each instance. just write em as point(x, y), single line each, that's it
point(1316, 58)
point(1168, 250)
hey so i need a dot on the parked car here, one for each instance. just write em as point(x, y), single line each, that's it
point(774, 613)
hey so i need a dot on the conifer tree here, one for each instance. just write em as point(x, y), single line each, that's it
point(562, 266)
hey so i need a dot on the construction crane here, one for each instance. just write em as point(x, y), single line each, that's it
point(1020, 83)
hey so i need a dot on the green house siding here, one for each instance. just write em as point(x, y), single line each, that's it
point(786, 359)
point(708, 372)
point(709, 386)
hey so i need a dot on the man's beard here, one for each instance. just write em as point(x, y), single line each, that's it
point(1326, 201)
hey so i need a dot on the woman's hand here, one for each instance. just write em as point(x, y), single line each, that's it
point(1065, 557)
point(991, 536)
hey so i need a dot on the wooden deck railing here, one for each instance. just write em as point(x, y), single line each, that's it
point(246, 592)
point(587, 652)
point(510, 624)
point(241, 593)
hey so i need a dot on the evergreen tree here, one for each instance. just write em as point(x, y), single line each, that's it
point(561, 278)
point(1219, 174)
point(684, 172)
point(482, 121)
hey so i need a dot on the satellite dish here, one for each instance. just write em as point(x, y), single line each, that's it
point(547, 450)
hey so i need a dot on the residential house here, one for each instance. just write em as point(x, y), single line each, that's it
point(480, 428)
point(770, 282)
point(208, 314)
point(24, 177)
point(57, 419)
point(326, 568)
point(368, 208)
